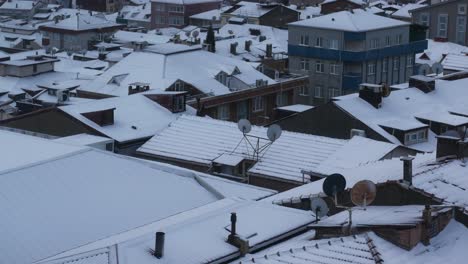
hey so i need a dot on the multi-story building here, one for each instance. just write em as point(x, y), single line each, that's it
point(176, 13)
point(100, 5)
point(340, 51)
point(446, 20)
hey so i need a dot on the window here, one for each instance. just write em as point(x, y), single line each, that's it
point(461, 29)
point(223, 112)
point(415, 137)
point(332, 92)
point(305, 40)
point(257, 104)
point(304, 90)
point(34, 68)
point(319, 67)
point(333, 44)
point(318, 93)
point(399, 39)
point(462, 9)
point(388, 41)
point(159, 7)
point(374, 43)
point(160, 19)
point(178, 86)
point(371, 69)
point(334, 69)
point(221, 77)
point(281, 99)
point(385, 65)
point(179, 104)
point(396, 64)
point(319, 42)
point(409, 61)
point(304, 64)
point(442, 26)
point(176, 8)
point(176, 20)
point(424, 19)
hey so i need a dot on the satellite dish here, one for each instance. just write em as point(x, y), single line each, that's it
point(386, 90)
point(424, 69)
point(363, 193)
point(334, 184)
point(195, 34)
point(274, 132)
point(187, 34)
point(437, 68)
point(244, 126)
point(319, 207)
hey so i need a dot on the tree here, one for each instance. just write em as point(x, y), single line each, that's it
point(210, 39)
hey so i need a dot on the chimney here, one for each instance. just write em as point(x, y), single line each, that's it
point(236, 240)
point(423, 83)
point(269, 50)
point(247, 45)
point(427, 220)
point(233, 48)
point(408, 169)
point(159, 245)
point(371, 93)
point(233, 224)
point(261, 38)
point(450, 144)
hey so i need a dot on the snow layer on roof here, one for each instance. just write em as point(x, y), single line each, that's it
point(444, 118)
point(82, 140)
point(186, 139)
point(357, 21)
point(404, 105)
point(184, 2)
point(122, 36)
point(437, 50)
point(20, 5)
point(131, 111)
point(250, 9)
point(455, 62)
point(404, 11)
point(296, 108)
point(82, 22)
point(208, 15)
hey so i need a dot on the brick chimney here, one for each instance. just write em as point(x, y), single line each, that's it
point(371, 93)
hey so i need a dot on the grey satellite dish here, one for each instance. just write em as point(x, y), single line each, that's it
point(195, 34)
point(274, 132)
point(244, 126)
point(363, 193)
point(319, 207)
point(187, 34)
point(437, 68)
point(334, 184)
point(424, 69)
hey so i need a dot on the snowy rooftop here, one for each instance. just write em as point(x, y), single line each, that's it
point(296, 108)
point(404, 11)
point(47, 189)
point(402, 106)
point(184, 2)
point(357, 249)
point(455, 62)
point(19, 5)
point(249, 9)
point(135, 116)
point(122, 36)
point(161, 71)
point(209, 15)
point(82, 22)
point(356, 21)
point(186, 139)
point(437, 50)
point(83, 140)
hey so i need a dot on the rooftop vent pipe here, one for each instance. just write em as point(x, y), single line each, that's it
point(159, 245)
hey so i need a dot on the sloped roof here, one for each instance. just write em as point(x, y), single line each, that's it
point(455, 62)
point(356, 21)
point(405, 11)
point(78, 195)
point(202, 140)
point(17, 4)
point(184, 2)
point(80, 22)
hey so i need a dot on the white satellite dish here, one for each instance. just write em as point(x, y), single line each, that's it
point(437, 68)
point(274, 132)
point(424, 69)
point(319, 207)
point(244, 126)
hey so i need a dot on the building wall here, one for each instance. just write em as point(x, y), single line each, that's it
point(351, 58)
point(338, 6)
point(73, 41)
point(451, 10)
point(279, 17)
point(100, 5)
point(161, 16)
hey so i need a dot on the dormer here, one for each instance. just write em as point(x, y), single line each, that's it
point(172, 101)
point(222, 77)
point(117, 79)
point(102, 117)
point(407, 131)
point(236, 71)
point(138, 87)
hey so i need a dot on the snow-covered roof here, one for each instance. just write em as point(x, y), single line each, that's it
point(135, 116)
point(249, 9)
point(51, 187)
point(444, 118)
point(81, 22)
point(436, 51)
point(19, 5)
point(140, 12)
point(161, 70)
point(356, 21)
point(357, 2)
point(210, 14)
point(122, 36)
point(296, 108)
point(404, 11)
point(83, 140)
point(402, 106)
point(186, 139)
point(200, 236)
point(455, 62)
point(447, 247)
point(184, 2)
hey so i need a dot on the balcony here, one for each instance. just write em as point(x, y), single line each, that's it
point(351, 82)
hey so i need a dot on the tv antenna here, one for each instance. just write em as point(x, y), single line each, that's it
point(257, 144)
point(319, 207)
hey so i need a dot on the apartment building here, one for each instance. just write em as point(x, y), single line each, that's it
point(446, 20)
point(339, 51)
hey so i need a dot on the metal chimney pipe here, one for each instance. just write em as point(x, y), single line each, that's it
point(408, 169)
point(159, 245)
point(233, 224)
